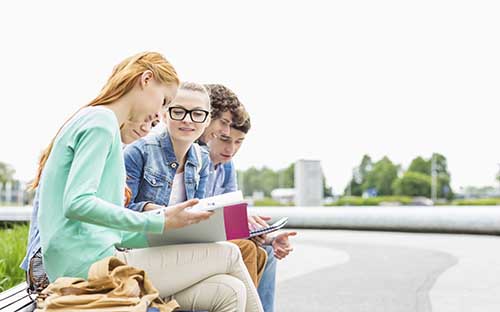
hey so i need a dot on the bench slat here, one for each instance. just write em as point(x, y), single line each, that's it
point(26, 304)
point(17, 299)
point(14, 290)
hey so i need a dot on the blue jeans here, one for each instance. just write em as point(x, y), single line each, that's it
point(267, 283)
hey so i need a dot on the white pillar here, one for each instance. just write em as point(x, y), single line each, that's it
point(308, 183)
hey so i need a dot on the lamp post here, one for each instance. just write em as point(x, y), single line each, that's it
point(433, 179)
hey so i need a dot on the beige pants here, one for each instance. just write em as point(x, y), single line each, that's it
point(199, 276)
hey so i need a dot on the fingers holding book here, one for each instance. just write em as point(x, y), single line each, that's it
point(178, 216)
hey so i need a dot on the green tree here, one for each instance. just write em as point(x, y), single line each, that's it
point(443, 176)
point(359, 176)
point(287, 177)
point(6, 173)
point(381, 177)
point(420, 165)
point(265, 180)
point(413, 184)
point(424, 166)
point(327, 190)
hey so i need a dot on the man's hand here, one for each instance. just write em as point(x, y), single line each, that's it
point(281, 245)
point(177, 216)
point(255, 223)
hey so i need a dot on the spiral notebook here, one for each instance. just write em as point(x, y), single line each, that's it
point(274, 227)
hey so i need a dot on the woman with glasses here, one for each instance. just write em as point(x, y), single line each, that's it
point(167, 169)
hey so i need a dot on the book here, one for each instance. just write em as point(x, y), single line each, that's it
point(229, 221)
point(274, 227)
point(219, 201)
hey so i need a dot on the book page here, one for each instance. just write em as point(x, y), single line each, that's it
point(219, 201)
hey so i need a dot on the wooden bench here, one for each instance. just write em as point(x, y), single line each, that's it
point(17, 299)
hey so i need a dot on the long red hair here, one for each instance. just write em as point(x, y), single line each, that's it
point(121, 81)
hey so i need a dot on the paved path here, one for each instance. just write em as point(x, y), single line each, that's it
point(387, 271)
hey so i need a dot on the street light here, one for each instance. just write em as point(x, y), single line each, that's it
point(433, 178)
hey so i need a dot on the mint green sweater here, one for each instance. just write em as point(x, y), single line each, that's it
point(82, 194)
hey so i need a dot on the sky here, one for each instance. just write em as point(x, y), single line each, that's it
point(323, 80)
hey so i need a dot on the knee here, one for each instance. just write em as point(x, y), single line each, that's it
point(230, 285)
point(230, 294)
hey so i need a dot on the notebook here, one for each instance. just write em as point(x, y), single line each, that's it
point(274, 227)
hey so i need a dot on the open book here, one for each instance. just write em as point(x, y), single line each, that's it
point(219, 201)
point(230, 221)
point(273, 227)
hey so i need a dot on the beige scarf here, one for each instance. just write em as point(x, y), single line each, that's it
point(112, 286)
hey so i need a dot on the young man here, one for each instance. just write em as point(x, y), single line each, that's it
point(222, 179)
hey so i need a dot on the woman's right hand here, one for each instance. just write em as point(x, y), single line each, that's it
point(177, 216)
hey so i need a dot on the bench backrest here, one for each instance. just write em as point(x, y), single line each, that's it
point(17, 299)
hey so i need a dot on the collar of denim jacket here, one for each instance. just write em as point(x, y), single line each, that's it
point(168, 149)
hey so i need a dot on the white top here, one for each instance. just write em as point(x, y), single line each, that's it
point(178, 193)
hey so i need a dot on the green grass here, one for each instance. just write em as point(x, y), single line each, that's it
point(371, 201)
point(269, 202)
point(477, 202)
point(12, 249)
point(9, 204)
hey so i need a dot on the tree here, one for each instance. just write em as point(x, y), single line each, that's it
point(420, 165)
point(381, 177)
point(413, 184)
point(354, 188)
point(327, 190)
point(423, 166)
point(498, 175)
point(266, 180)
point(287, 177)
point(6, 173)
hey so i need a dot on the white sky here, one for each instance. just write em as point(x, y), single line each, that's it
point(328, 80)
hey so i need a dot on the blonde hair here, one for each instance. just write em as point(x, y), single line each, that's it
point(196, 87)
point(122, 80)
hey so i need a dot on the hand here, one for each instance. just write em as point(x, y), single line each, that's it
point(281, 245)
point(258, 222)
point(177, 216)
point(151, 206)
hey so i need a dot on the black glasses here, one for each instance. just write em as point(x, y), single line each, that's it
point(179, 113)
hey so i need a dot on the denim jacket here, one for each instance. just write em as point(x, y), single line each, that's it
point(34, 235)
point(151, 165)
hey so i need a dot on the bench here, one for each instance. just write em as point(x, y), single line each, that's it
point(17, 299)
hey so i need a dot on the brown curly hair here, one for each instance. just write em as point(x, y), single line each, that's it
point(222, 99)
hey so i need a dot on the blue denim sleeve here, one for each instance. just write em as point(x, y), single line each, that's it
point(204, 172)
point(134, 165)
point(34, 235)
point(230, 180)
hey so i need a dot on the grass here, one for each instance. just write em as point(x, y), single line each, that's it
point(477, 202)
point(269, 202)
point(371, 201)
point(13, 240)
point(10, 204)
